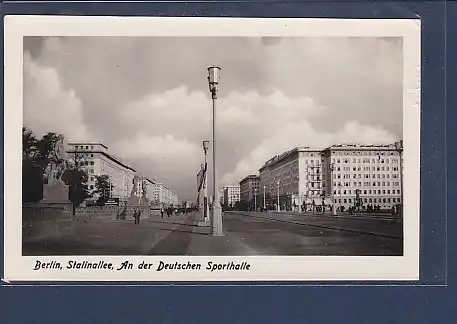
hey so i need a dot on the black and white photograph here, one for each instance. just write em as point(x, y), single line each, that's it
point(180, 149)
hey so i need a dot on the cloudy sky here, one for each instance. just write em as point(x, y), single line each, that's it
point(147, 98)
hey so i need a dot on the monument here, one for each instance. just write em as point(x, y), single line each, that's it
point(52, 216)
point(138, 200)
point(56, 192)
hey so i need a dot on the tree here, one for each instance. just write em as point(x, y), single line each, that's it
point(32, 182)
point(103, 189)
point(76, 179)
point(36, 155)
point(29, 142)
point(35, 159)
point(241, 205)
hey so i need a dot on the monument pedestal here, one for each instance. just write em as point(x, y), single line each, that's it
point(49, 218)
point(139, 203)
point(202, 223)
point(217, 220)
point(55, 195)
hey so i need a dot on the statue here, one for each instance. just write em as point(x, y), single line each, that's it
point(144, 188)
point(56, 192)
point(135, 186)
point(57, 162)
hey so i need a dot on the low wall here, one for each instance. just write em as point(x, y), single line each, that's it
point(45, 221)
point(92, 212)
point(113, 212)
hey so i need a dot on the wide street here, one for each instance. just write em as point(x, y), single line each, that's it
point(246, 233)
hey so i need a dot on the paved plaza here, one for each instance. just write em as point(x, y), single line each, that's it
point(246, 233)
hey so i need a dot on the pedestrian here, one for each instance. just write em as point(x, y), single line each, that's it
point(138, 216)
point(134, 215)
point(161, 212)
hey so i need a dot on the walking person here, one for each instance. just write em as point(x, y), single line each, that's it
point(161, 212)
point(134, 215)
point(138, 215)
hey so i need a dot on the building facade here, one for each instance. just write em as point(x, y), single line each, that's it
point(96, 160)
point(163, 196)
point(364, 174)
point(145, 187)
point(231, 194)
point(341, 175)
point(249, 189)
point(293, 179)
point(221, 196)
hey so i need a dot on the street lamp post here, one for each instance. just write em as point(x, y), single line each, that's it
point(357, 198)
point(264, 200)
point(399, 147)
point(277, 195)
point(332, 168)
point(289, 201)
point(213, 82)
point(255, 199)
point(205, 184)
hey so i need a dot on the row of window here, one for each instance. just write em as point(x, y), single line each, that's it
point(85, 163)
point(378, 160)
point(368, 192)
point(81, 147)
point(348, 169)
point(369, 200)
point(367, 184)
point(316, 174)
point(365, 176)
point(366, 153)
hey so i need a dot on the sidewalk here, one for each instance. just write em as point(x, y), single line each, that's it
point(190, 219)
point(229, 245)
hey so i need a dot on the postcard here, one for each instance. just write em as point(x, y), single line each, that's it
point(211, 149)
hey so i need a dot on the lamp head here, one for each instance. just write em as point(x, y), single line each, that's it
point(205, 145)
point(214, 73)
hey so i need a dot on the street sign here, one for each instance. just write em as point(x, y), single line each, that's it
point(112, 202)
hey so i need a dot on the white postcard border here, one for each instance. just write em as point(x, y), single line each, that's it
point(262, 268)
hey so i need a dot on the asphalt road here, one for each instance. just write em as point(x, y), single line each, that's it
point(245, 234)
point(276, 234)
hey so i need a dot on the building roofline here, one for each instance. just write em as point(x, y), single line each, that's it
point(361, 146)
point(348, 147)
point(251, 176)
point(87, 143)
point(109, 157)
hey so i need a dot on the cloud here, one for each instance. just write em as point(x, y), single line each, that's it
point(47, 106)
point(147, 98)
point(158, 147)
point(302, 133)
point(174, 162)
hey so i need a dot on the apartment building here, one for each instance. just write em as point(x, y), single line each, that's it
point(96, 160)
point(249, 188)
point(231, 194)
point(344, 175)
point(164, 196)
point(365, 174)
